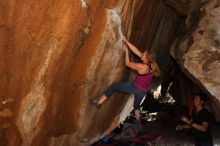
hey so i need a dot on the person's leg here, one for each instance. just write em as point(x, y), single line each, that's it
point(108, 93)
point(126, 87)
point(102, 99)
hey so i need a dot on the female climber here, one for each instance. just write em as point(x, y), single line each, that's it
point(141, 83)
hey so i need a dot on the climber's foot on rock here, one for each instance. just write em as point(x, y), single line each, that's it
point(95, 103)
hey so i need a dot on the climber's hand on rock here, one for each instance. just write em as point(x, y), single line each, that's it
point(124, 39)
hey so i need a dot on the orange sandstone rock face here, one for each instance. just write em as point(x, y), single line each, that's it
point(55, 56)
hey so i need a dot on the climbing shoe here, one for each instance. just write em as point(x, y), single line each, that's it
point(94, 103)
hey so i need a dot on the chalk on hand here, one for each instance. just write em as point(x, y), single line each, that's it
point(124, 47)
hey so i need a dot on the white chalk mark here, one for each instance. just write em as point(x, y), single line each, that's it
point(84, 4)
point(115, 19)
point(34, 104)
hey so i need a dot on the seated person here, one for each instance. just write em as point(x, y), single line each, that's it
point(200, 122)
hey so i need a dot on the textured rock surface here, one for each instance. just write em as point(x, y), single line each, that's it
point(198, 51)
point(52, 55)
point(181, 6)
point(55, 56)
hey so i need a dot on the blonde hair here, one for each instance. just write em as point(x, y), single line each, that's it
point(155, 69)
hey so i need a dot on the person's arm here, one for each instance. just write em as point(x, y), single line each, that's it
point(200, 127)
point(132, 47)
point(128, 63)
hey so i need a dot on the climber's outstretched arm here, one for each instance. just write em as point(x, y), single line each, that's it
point(128, 63)
point(135, 66)
point(132, 47)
